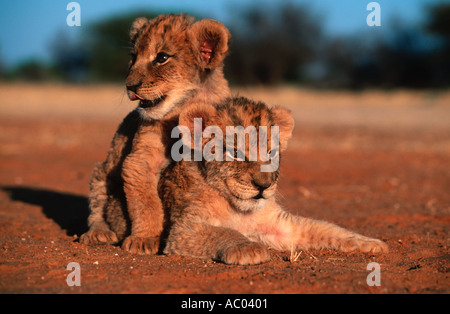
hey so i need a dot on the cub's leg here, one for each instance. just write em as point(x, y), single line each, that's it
point(217, 243)
point(304, 233)
point(141, 173)
point(99, 231)
point(106, 184)
point(320, 234)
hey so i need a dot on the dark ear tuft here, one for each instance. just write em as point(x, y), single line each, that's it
point(209, 40)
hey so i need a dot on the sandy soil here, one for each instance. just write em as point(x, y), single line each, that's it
point(374, 162)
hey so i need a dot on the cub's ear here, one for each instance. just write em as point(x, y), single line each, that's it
point(207, 113)
point(282, 118)
point(137, 27)
point(209, 39)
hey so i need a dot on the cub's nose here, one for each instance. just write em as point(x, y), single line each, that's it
point(132, 92)
point(133, 87)
point(262, 181)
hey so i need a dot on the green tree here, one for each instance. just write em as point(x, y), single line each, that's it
point(2, 67)
point(439, 21)
point(439, 26)
point(271, 45)
point(32, 70)
point(70, 58)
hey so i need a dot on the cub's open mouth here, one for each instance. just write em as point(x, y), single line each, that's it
point(144, 103)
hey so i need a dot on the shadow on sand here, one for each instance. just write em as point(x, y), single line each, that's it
point(69, 211)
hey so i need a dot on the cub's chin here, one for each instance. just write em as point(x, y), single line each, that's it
point(247, 200)
point(249, 205)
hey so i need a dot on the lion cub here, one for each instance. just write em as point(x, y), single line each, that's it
point(226, 210)
point(174, 62)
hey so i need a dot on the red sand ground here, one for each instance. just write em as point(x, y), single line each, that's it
point(376, 163)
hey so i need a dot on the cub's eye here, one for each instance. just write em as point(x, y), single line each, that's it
point(274, 153)
point(133, 58)
point(235, 154)
point(231, 154)
point(161, 58)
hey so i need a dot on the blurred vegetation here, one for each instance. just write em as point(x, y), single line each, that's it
point(286, 46)
point(275, 48)
point(102, 55)
point(109, 47)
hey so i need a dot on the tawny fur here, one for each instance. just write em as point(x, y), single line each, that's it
point(124, 201)
point(218, 210)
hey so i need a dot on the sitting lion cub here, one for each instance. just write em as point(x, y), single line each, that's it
point(174, 62)
point(227, 210)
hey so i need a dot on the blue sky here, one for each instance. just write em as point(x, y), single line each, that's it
point(27, 27)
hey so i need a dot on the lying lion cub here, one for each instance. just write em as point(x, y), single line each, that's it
point(174, 62)
point(226, 210)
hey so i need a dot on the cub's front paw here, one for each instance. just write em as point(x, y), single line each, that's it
point(364, 245)
point(94, 237)
point(140, 245)
point(250, 253)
